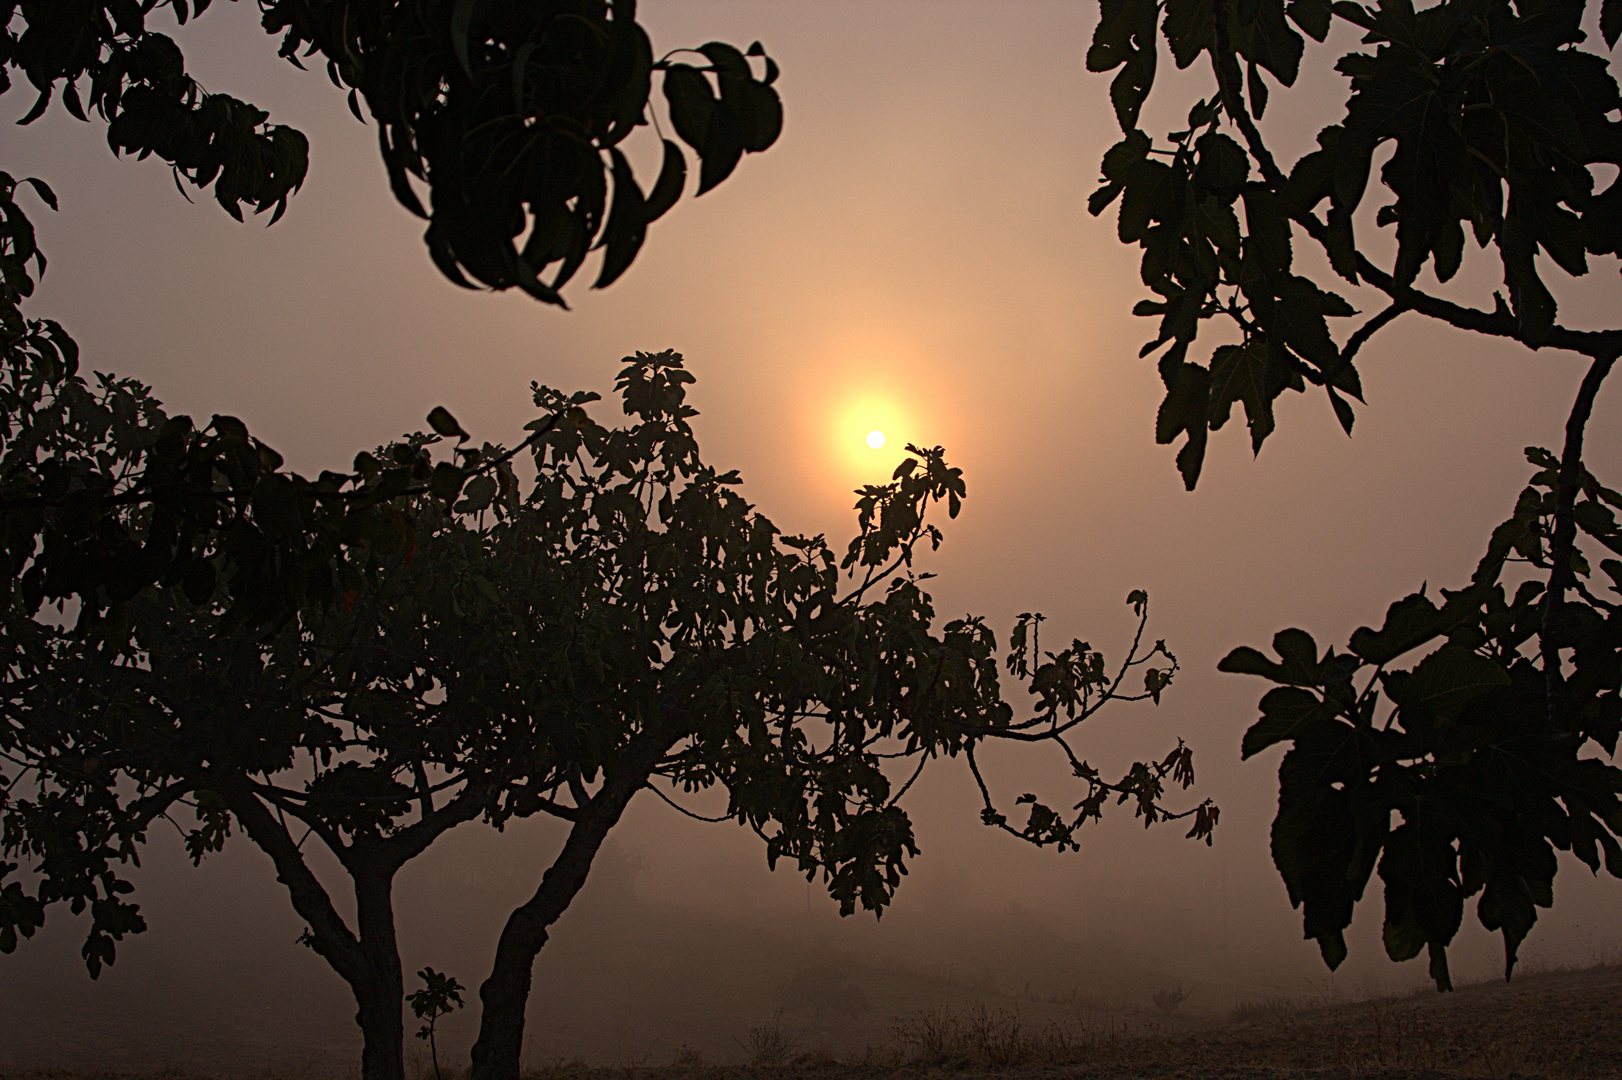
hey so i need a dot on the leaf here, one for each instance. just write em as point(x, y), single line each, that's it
point(1343, 410)
point(1190, 29)
point(1268, 235)
point(726, 58)
point(41, 188)
point(1299, 320)
point(1297, 651)
point(1300, 655)
point(477, 495)
point(1223, 166)
point(1312, 16)
point(758, 109)
point(1258, 91)
point(1252, 374)
point(692, 103)
point(1310, 182)
point(1424, 902)
point(445, 424)
point(1185, 408)
point(445, 482)
point(1119, 22)
point(40, 104)
point(1610, 22)
point(1273, 45)
point(1285, 710)
point(1130, 89)
point(1449, 247)
point(1506, 905)
point(1121, 159)
point(1100, 199)
point(723, 146)
point(627, 223)
point(1450, 678)
point(1533, 304)
point(1248, 661)
point(1151, 195)
point(667, 189)
point(1409, 623)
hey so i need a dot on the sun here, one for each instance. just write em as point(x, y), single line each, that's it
point(865, 434)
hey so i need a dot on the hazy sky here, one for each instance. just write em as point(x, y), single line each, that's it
point(914, 254)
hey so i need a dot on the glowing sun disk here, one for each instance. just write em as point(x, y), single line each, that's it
point(875, 439)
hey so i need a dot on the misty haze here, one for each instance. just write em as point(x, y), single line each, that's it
point(910, 261)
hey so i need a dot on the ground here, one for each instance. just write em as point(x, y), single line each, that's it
point(1556, 1025)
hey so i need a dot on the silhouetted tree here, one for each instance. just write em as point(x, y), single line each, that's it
point(440, 996)
point(457, 643)
point(377, 655)
point(1484, 744)
point(623, 621)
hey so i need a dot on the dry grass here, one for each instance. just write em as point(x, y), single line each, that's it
point(977, 1037)
point(1553, 1025)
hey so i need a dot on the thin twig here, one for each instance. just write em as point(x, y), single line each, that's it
point(683, 810)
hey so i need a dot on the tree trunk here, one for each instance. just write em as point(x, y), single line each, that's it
point(382, 995)
point(504, 995)
point(382, 1055)
point(369, 964)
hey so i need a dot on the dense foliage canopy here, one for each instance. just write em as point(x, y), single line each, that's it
point(1494, 117)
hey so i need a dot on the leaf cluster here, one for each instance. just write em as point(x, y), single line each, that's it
point(1447, 776)
point(1495, 118)
point(1069, 687)
point(513, 115)
point(440, 996)
point(103, 493)
point(105, 60)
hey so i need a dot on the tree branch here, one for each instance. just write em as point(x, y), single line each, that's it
point(1499, 323)
point(332, 938)
point(674, 805)
point(401, 847)
point(1361, 336)
point(1562, 543)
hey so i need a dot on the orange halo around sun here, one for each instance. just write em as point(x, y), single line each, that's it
point(865, 433)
